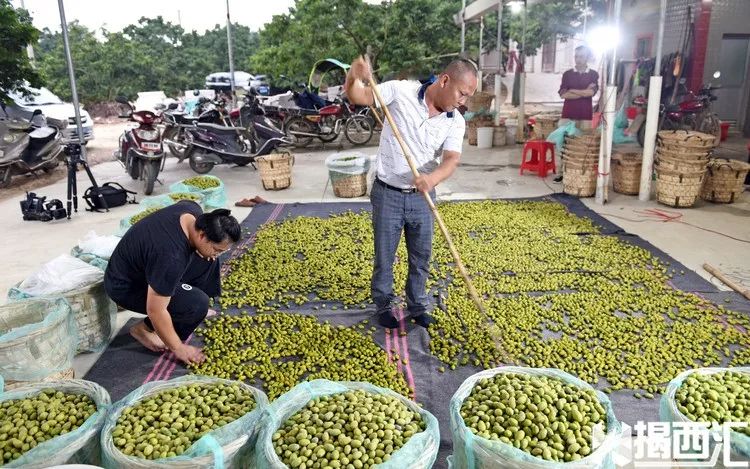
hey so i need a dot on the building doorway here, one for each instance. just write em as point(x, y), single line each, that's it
point(734, 61)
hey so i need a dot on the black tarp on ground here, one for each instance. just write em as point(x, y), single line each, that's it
point(125, 365)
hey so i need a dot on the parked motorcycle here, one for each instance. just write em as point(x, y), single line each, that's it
point(140, 148)
point(328, 123)
point(209, 144)
point(175, 122)
point(280, 107)
point(252, 116)
point(29, 146)
point(693, 112)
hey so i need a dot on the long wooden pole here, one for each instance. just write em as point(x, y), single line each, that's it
point(444, 229)
point(377, 116)
point(729, 282)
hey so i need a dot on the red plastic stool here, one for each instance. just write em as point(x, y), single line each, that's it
point(534, 157)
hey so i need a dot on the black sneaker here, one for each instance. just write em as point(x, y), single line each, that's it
point(423, 320)
point(558, 179)
point(387, 320)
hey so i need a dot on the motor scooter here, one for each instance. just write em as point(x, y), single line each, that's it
point(140, 148)
point(29, 146)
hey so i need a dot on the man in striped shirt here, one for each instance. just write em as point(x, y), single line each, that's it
point(427, 118)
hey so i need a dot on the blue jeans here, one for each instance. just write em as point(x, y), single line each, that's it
point(392, 213)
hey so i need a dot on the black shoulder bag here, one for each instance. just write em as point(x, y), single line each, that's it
point(113, 193)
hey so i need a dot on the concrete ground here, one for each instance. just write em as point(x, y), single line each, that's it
point(490, 173)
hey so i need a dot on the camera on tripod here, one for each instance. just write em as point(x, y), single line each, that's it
point(73, 151)
point(35, 208)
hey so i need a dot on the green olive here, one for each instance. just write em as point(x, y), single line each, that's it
point(717, 397)
point(559, 292)
point(281, 350)
point(167, 423)
point(141, 215)
point(543, 416)
point(177, 196)
point(27, 422)
point(202, 182)
point(355, 428)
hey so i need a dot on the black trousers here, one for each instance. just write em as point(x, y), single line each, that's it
point(189, 303)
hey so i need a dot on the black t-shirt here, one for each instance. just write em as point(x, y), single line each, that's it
point(154, 252)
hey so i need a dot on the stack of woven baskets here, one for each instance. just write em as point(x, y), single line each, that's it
point(580, 161)
point(725, 180)
point(682, 157)
point(626, 172)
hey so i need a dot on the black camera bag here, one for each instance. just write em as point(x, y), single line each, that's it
point(113, 193)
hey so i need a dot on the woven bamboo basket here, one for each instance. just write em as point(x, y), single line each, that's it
point(678, 188)
point(57, 376)
point(689, 138)
point(725, 180)
point(683, 150)
point(94, 313)
point(348, 185)
point(581, 153)
point(683, 153)
point(37, 340)
point(579, 179)
point(679, 164)
point(545, 125)
point(276, 170)
point(626, 172)
point(500, 136)
point(581, 149)
point(586, 139)
point(479, 101)
point(472, 128)
point(583, 142)
point(584, 160)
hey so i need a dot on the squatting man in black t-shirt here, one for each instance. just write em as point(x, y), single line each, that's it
point(166, 267)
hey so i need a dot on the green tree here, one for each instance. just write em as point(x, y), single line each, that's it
point(16, 31)
point(405, 36)
point(86, 52)
point(152, 54)
point(421, 37)
point(545, 21)
point(214, 43)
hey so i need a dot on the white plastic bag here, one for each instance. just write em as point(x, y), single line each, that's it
point(668, 412)
point(78, 446)
point(471, 451)
point(419, 452)
point(348, 163)
point(61, 274)
point(100, 246)
point(225, 447)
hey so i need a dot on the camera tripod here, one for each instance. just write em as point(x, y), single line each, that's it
point(73, 160)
